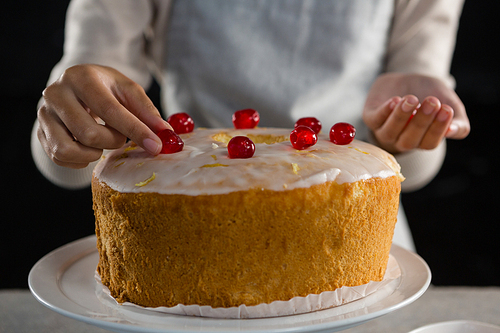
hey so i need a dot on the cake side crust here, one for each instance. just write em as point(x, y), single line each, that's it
point(246, 247)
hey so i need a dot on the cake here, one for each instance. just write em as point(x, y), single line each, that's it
point(198, 227)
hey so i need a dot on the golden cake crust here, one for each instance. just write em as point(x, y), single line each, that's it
point(244, 247)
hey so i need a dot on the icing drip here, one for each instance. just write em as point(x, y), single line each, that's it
point(203, 166)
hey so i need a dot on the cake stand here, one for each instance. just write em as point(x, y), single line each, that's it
point(63, 281)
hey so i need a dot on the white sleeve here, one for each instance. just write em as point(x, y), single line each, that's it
point(105, 32)
point(420, 166)
point(109, 33)
point(423, 37)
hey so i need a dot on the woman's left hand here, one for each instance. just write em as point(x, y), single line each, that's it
point(407, 111)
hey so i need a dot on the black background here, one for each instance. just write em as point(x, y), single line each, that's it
point(454, 219)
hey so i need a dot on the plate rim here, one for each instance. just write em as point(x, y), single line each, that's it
point(445, 323)
point(53, 265)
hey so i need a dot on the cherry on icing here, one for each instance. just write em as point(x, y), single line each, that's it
point(311, 122)
point(303, 137)
point(172, 143)
point(181, 123)
point(342, 133)
point(247, 118)
point(240, 147)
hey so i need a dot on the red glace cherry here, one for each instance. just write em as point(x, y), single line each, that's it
point(303, 137)
point(240, 147)
point(311, 122)
point(172, 143)
point(342, 133)
point(247, 118)
point(181, 123)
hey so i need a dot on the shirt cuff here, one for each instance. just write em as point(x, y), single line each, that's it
point(420, 166)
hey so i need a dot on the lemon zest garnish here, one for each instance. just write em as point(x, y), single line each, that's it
point(214, 157)
point(364, 152)
point(150, 179)
point(130, 148)
point(267, 138)
point(256, 138)
point(214, 165)
point(124, 155)
point(295, 168)
point(221, 137)
point(139, 164)
point(306, 152)
point(116, 166)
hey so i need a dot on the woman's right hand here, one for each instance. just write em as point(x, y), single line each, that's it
point(91, 108)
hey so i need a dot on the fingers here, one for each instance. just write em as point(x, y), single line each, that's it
point(377, 116)
point(60, 145)
point(91, 108)
point(135, 99)
point(64, 108)
point(420, 125)
point(404, 127)
point(412, 124)
point(121, 103)
point(438, 128)
point(392, 128)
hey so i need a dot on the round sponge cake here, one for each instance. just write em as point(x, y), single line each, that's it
point(197, 227)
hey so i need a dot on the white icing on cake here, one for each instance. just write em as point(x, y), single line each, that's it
point(203, 166)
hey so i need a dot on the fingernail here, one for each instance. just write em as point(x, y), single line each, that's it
point(393, 103)
point(409, 104)
point(429, 107)
point(444, 114)
point(151, 146)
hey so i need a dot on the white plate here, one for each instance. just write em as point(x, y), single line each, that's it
point(458, 326)
point(63, 280)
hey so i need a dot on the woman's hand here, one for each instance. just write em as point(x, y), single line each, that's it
point(407, 111)
point(91, 108)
